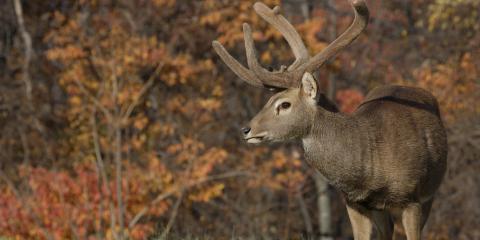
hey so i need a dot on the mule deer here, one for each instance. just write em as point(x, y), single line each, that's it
point(389, 156)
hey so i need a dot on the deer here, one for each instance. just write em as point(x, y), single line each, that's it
point(387, 158)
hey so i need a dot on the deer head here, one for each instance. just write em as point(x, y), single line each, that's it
point(289, 113)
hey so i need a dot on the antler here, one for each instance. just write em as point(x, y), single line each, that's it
point(291, 76)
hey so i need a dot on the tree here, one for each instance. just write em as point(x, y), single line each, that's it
point(130, 127)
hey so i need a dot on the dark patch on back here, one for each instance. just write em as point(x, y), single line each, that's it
point(325, 103)
point(407, 96)
point(406, 102)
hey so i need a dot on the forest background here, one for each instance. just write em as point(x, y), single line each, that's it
point(117, 120)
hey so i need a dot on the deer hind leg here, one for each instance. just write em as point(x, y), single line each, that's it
point(361, 221)
point(384, 224)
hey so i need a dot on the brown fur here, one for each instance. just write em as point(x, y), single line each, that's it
point(389, 155)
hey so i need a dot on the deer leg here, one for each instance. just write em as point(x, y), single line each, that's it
point(425, 212)
point(412, 217)
point(384, 224)
point(361, 222)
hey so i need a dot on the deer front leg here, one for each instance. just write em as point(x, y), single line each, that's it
point(360, 218)
point(414, 217)
point(412, 221)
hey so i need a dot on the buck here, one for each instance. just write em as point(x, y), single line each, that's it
point(387, 158)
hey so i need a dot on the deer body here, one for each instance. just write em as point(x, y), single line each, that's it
point(387, 154)
point(388, 157)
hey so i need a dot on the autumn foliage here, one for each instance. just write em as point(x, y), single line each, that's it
point(132, 126)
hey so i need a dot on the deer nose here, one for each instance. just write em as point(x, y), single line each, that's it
point(246, 130)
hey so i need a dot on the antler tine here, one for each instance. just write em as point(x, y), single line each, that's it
point(269, 79)
point(358, 25)
point(250, 50)
point(236, 67)
point(279, 22)
point(256, 71)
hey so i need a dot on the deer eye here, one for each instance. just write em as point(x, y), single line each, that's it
point(285, 105)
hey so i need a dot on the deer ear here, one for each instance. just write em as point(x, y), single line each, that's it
point(309, 85)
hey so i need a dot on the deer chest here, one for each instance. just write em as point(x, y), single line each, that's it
point(349, 177)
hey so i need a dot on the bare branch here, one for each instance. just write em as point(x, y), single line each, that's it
point(101, 170)
point(306, 217)
point(27, 40)
point(143, 91)
point(173, 216)
point(95, 101)
point(174, 191)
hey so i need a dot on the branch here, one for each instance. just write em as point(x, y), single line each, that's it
point(173, 216)
point(26, 149)
point(143, 91)
point(119, 177)
point(95, 101)
point(172, 192)
point(304, 211)
point(27, 40)
point(101, 171)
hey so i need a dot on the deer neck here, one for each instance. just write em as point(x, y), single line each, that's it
point(334, 146)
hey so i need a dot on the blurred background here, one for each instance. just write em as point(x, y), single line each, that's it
point(118, 121)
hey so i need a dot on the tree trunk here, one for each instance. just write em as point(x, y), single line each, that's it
point(324, 207)
point(323, 201)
